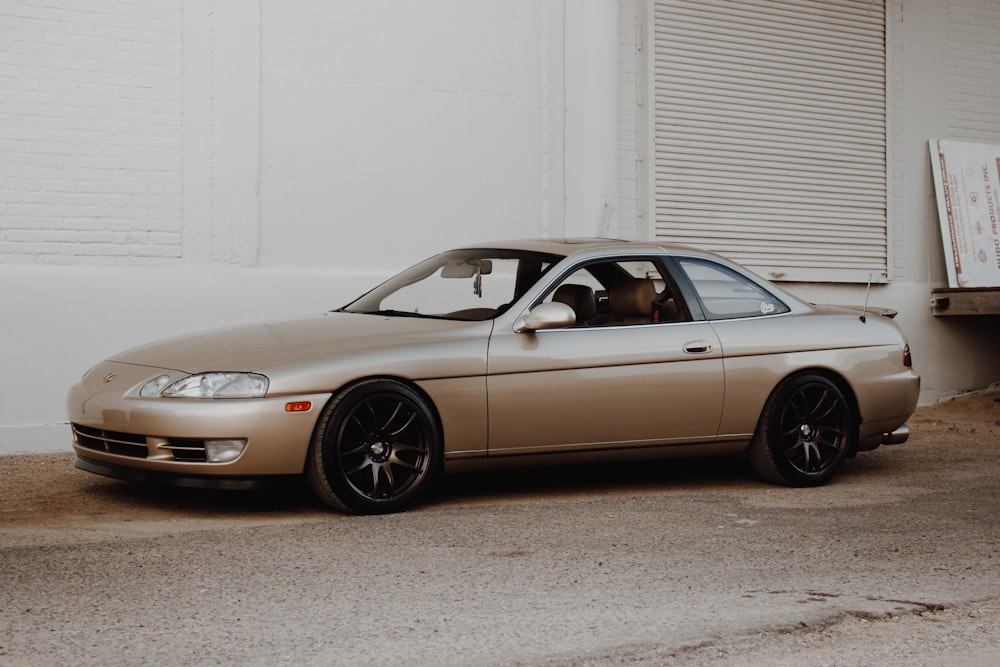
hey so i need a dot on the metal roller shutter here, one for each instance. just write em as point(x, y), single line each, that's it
point(770, 134)
point(973, 58)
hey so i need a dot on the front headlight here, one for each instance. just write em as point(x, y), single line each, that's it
point(218, 385)
point(154, 386)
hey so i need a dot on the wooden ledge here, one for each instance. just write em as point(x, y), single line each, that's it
point(965, 301)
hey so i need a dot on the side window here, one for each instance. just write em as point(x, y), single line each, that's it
point(726, 294)
point(620, 292)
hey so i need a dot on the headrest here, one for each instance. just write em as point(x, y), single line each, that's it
point(632, 296)
point(578, 297)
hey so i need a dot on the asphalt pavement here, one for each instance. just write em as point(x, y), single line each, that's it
point(688, 563)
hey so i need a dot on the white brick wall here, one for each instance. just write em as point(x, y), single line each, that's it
point(90, 132)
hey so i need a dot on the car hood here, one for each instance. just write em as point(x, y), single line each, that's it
point(259, 346)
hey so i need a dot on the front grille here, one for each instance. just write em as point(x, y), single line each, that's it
point(137, 446)
point(113, 442)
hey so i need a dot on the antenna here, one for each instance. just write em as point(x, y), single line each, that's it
point(867, 292)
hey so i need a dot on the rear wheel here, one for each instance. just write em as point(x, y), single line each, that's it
point(377, 449)
point(804, 432)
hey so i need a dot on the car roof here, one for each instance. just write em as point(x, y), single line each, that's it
point(570, 246)
point(593, 248)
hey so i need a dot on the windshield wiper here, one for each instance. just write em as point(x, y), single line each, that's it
point(395, 313)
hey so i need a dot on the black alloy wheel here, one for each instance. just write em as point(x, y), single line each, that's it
point(377, 449)
point(804, 432)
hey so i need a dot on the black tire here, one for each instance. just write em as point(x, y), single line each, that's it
point(377, 449)
point(804, 433)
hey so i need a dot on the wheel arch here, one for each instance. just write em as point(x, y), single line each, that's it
point(355, 382)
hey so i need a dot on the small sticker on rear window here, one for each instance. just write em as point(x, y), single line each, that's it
point(766, 307)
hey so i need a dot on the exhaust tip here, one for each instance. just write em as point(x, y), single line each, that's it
point(897, 437)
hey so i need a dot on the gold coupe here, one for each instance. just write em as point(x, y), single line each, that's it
point(527, 352)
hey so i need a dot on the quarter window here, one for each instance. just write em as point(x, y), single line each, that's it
point(725, 294)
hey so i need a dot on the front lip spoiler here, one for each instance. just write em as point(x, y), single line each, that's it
point(160, 478)
point(897, 437)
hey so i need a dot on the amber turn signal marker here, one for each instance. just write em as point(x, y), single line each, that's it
point(298, 406)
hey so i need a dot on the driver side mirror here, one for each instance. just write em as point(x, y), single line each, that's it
point(551, 315)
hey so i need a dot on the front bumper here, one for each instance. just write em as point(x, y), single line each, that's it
point(115, 429)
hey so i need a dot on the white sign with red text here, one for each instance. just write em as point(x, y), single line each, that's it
point(967, 184)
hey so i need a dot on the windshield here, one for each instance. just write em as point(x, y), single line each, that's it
point(476, 284)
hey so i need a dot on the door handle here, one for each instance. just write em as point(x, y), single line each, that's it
point(698, 347)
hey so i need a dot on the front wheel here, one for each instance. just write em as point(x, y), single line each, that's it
point(377, 449)
point(804, 432)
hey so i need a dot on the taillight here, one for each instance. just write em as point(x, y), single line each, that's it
point(907, 359)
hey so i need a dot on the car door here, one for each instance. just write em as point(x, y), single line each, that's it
point(612, 381)
point(762, 340)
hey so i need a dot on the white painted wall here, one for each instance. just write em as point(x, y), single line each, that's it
point(423, 122)
point(186, 164)
point(174, 165)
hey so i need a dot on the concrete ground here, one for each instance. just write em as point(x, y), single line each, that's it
point(681, 563)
